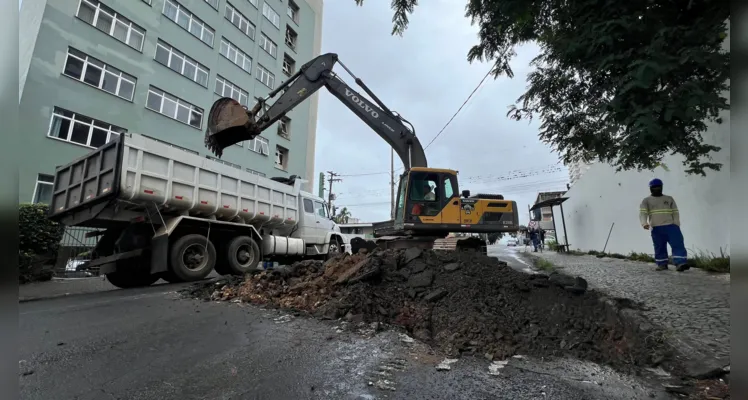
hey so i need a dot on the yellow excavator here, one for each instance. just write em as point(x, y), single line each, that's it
point(429, 204)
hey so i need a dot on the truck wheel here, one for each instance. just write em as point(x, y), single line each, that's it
point(192, 257)
point(335, 248)
point(242, 255)
point(125, 279)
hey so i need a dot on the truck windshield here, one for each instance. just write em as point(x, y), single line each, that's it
point(320, 209)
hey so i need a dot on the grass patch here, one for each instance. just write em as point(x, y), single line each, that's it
point(710, 262)
point(544, 264)
point(634, 256)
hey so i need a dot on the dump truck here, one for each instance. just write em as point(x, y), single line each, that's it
point(162, 212)
point(429, 204)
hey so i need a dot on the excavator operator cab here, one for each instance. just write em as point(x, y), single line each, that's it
point(429, 202)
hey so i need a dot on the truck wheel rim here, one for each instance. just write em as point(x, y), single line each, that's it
point(333, 247)
point(194, 257)
point(244, 255)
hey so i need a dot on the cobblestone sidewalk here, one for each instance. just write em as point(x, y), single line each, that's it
point(693, 305)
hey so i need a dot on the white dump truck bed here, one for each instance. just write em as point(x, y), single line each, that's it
point(135, 170)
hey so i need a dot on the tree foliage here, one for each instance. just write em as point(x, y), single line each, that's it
point(343, 216)
point(623, 82)
point(38, 240)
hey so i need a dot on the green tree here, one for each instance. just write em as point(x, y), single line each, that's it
point(342, 216)
point(624, 82)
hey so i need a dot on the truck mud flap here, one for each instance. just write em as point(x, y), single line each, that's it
point(159, 253)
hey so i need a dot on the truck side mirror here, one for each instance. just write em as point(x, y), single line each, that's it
point(465, 193)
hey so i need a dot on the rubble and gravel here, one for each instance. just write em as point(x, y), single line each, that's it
point(462, 303)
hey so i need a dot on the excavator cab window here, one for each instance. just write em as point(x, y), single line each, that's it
point(424, 194)
point(399, 211)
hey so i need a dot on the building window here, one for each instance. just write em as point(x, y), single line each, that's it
point(225, 88)
point(43, 189)
point(173, 145)
point(291, 38)
point(181, 63)
point(268, 45)
point(265, 76)
point(260, 145)
point(213, 3)
point(236, 56)
point(293, 12)
point(184, 18)
point(253, 172)
point(271, 15)
point(281, 157)
point(284, 128)
point(173, 107)
point(230, 164)
point(289, 65)
point(80, 129)
point(89, 70)
point(112, 23)
point(240, 21)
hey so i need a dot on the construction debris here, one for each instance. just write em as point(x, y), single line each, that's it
point(458, 302)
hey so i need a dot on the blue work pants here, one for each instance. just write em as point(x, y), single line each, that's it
point(668, 234)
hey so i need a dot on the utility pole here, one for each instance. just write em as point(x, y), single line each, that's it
point(330, 195)
point(392, 183)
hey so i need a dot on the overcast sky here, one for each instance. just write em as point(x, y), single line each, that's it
point(425, 77)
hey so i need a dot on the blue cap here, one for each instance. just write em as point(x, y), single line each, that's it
point(655, 182)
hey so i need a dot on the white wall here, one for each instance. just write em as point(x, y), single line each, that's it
point(602, 197)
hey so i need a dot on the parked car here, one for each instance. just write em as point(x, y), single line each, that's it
point(511, 242)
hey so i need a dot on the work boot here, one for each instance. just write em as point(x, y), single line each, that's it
point(682, 267)
point(661, 268)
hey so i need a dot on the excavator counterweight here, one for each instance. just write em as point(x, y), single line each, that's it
point(429, 204)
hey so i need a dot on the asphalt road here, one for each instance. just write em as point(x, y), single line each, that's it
point(151, 344)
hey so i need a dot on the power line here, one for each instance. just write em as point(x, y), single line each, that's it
point(510, 189)
point(463, 105)
point(443, 128)
point(484, 179)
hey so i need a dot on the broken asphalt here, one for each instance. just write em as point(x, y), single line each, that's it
point(149, 344)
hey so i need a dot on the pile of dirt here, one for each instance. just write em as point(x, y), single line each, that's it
point(459, 302)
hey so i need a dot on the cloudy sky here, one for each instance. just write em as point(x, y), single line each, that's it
point(425, 77)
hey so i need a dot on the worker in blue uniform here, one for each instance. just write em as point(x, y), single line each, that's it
point(660, 213)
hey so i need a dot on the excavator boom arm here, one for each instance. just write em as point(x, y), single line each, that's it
point(227, 126)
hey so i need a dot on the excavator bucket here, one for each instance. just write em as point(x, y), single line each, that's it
point(228, 123)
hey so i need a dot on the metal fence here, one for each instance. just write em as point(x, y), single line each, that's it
point(75, 249)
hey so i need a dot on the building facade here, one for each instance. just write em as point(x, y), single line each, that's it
point(577, 170)
point(93, 69)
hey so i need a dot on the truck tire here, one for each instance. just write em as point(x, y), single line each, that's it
point(242, 255)
point(335, 248)
point(126, 279)
point(192, 257)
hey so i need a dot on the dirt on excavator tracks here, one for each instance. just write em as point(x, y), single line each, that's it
point(460, 303)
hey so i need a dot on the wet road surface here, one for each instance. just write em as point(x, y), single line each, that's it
point(150, 344)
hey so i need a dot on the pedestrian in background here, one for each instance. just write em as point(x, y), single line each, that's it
point(535, 237)
point(660, 213)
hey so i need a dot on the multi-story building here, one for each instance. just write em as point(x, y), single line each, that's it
point(93, 69)
point(577, 169)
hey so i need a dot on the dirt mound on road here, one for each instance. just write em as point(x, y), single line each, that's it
point(460, 302)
